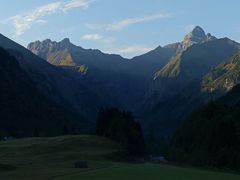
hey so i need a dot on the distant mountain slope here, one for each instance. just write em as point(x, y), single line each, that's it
point(196, 36)
point(147, 64)
point(64, 53)
point(63, 87)
point(190, 65)
point(24, 111)
point(116, 78)
point(224, 77)
point(199, 59)
point(176, 90)
point(67, 54)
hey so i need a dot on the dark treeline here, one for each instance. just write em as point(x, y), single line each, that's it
point(120, 126)
point(209, 137)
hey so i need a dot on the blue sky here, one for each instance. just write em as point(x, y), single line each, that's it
point(126, 27)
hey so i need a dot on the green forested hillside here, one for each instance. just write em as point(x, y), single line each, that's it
point(210, 136)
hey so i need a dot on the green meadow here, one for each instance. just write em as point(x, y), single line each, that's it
point(150, 172)
point(53, 159)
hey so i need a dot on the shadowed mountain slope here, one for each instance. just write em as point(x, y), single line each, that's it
point(24, 111)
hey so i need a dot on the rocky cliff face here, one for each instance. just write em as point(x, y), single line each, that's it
point(45, 47)
point(57, 53)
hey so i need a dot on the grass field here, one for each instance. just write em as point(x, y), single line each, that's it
point(150, 172)
point(46, 158)
point(53, 159)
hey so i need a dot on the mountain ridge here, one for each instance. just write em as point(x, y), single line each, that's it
point(129, 83)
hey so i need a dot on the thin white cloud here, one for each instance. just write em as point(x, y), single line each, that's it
point(92, 37)
point(23, 22)
point(41, 21)
point(131, 21)
point(134, 49)
point(75, 4)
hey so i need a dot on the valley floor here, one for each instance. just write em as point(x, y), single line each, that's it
point(53, 159)
point(150, 172)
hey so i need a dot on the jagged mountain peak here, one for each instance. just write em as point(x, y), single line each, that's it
point(66, 40)
point(196, 36)
point(198, 31)
point(47, 46)
point(48, 43)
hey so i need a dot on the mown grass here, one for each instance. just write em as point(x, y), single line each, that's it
point(150, 172)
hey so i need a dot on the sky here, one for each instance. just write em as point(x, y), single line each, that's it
point(125, 27)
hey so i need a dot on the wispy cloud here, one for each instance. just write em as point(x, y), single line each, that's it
point(134, 49)
point(131, 21)
point(127, 22)
point(75, 4)
point(23, 22)
point(92, 37)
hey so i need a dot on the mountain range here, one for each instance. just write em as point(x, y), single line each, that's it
point(160, 87)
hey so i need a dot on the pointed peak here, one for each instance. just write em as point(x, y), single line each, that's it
point(66, 40)
point(197, 32)
point(65, 43)
point(196, 36)
point(198, 29)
